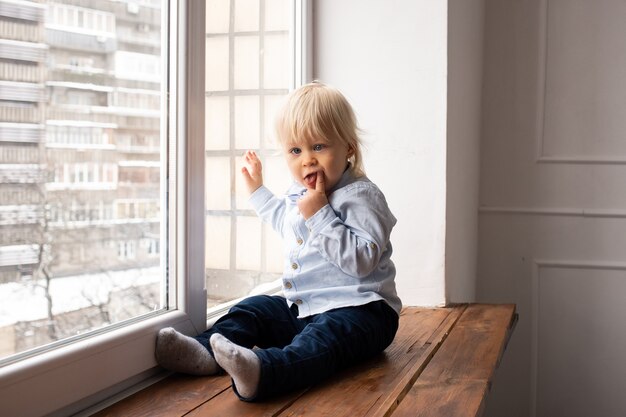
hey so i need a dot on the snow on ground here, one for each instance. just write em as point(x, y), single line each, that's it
point(26, 301)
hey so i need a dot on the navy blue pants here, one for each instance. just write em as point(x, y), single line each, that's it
point(296, 353)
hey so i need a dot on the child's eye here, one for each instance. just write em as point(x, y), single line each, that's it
point(295, 151)
point(318, 147)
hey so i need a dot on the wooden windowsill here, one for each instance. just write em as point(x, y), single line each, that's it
point(441, 363)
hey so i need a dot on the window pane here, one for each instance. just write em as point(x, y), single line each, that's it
point(242, 254)
point(218, 243)
point(247, 114)
point(274, 173)
point(217, 54)
point(270, 106)
point(247, 51)
point(277, 15)
point(80, 169)
point(217, 16)
point(218, 183)
point(246, 15)
point(217, 123)
point(276, 70)
point(248, 243)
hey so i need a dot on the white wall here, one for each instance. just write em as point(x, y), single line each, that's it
point(412, 70)
point(389, 58)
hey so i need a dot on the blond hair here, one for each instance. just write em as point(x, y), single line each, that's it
point(317, 111)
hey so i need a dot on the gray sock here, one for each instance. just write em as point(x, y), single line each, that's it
point(180, 353)
point(242, 364)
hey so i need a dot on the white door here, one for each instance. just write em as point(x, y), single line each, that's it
point(552, 225)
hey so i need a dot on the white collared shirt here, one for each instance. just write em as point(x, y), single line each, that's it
point(340, 256)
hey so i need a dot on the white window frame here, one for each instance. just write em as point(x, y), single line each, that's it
point(95, 371)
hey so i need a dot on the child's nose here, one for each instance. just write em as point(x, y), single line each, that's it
point(309, 159)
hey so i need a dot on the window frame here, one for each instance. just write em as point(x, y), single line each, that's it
point(124, 355)
point(97, 370)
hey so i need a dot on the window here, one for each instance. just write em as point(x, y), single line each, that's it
point(137, 66)
point(250, 67)
point(105, 146)
point(71, 18)
point(74, 168)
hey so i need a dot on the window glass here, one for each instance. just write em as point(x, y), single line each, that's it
point(80, 170)
point(250, 67)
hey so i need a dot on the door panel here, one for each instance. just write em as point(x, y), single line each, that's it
point(552, 229)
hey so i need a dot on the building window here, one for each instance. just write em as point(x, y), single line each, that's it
point(126, 250)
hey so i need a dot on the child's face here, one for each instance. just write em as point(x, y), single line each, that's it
point(307, 158)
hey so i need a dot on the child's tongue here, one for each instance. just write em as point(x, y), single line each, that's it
point(310, 180)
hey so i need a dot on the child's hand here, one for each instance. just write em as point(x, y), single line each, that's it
point(252, 172)
point(314, 199)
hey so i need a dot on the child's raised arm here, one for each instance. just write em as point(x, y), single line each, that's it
point(252, 171)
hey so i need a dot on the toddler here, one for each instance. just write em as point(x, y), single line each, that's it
point(339, 304)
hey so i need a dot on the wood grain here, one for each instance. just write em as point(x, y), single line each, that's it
point(459, 376)
point(173, 396)
point(446, 399)
point(441, 363)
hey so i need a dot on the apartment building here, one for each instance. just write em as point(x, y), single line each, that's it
point(80, 159)
point(23, 173)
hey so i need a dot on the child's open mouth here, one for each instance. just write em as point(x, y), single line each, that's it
point(310, 180)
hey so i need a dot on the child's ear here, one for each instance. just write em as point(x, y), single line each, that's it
point(350, 152)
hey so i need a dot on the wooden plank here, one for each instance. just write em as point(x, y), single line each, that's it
point(173, 396)
point(474, 346)
point(459, 377)
point(446, 399)
point(226, 404)
point(372, 387)
point(387, 404)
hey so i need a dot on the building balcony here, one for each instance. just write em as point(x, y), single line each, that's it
point(81, 186)
point(23, 174)
point(151, 39)
point(19, 154)
point(23, 10)
point(139, 123)
point(15, 255)
point(86, 42)
point(10, 29)
point(21, 132)
point(133, 190)
point(20, 71)
point(22, 92)
point(84, 75)
point(74, 85)
point(101, 223)
point(140, 11)
point(138, 149)
point(23, 51)
point(58, 114)
point(18, 113)
point(13, 215)
point(127, 111)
